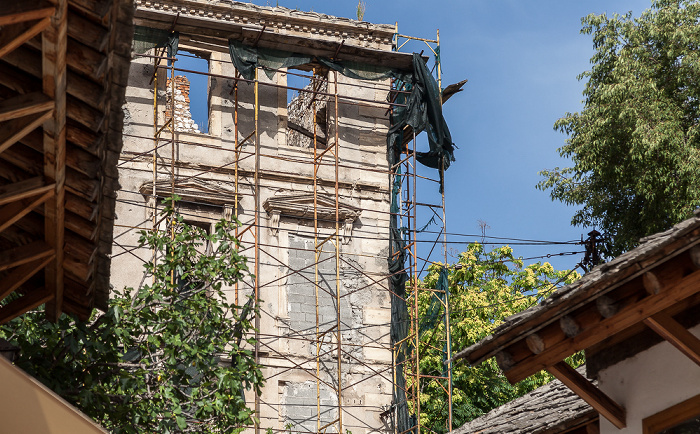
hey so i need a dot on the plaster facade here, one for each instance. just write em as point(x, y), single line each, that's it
point(205, 175)
point(651, 381)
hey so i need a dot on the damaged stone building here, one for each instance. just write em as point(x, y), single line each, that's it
point(287, 132)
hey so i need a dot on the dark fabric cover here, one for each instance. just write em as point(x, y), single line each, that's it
point(422, 111)
point(246, 58)
point(146, 38)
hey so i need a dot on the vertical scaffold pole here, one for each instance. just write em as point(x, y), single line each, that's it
point(256, 233)
point(412, 223)
point(317, 258)
point(448, 332)
point(237, 155)
point(337, 260)
point(154, 198)
point(172, 159)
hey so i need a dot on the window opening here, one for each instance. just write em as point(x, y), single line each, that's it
point(191, 93)
point(300, 107)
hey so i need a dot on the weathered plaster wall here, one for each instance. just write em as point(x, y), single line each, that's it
point(648, 383)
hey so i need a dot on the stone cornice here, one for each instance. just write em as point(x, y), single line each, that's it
point(193, 190)
point(279, 20)
point(302, 205)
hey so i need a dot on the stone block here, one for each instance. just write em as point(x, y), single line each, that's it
point(377, 354)
point(376, 315)
point(373, 112)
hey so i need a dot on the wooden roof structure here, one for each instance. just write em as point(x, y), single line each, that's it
point(550, 409)
point(63, 72)
point(650, 287)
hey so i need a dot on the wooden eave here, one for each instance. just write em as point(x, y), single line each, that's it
point(63, 70)
point(205, 30)
point(645, 287)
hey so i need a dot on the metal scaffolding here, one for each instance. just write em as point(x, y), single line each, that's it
point(333, 353)
point(410, 212)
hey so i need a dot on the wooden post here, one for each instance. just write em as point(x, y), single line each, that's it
point(54, 42)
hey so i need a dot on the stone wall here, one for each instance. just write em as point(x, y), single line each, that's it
point(183, 116)
point(301, 112)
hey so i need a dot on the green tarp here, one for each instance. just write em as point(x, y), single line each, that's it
point(246, 59)
point(146, 38)
point(422, 111)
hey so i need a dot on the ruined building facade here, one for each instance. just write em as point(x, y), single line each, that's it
point(306, 173)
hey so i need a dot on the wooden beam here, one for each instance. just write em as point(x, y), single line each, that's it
point(21, 255)
point(24, 105)
point(88, 32)
point(25, 10)
point(668, 418)
point(651, 283)
point(24, 304)
point(23, 189)
point(76, 158)
point(694, 253)
point(29, 60)
point(627, 316)
point(569, 326)
point(535, 343)
point(504, 360)
point(676, 335)
point(9, 214)
point(80, 270)
point(25, 159)
point(96, 9)
point(320, 138)
point(593, 428)
point(54, 74)
point(601, 402)
point(606, 306)
point(21, 274)
point(16, 129)
point(19, 33)
point(81, 58)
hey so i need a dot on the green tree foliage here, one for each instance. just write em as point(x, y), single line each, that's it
point(485, 288)
point(170, 356)
point(635, 146)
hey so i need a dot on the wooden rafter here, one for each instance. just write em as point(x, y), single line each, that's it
point(15, 35)
point(21, 255)
point(523, 362)
point(9, 214)
point(589, 393)
point(25, 10)
point(16, 129)
point(24, 105)
point(24, 304)
point(54, 75)
point(21, 274)
point(676, 335)
point(23, 189)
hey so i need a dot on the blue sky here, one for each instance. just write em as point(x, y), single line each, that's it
point(521, 59)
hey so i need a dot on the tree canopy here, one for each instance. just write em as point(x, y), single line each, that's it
point(169, 356)
point(485, 287)
point(635, 145)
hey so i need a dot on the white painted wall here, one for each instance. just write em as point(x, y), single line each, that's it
point(649, 382)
